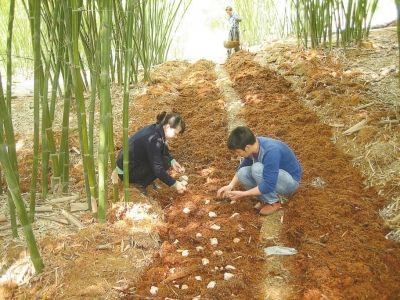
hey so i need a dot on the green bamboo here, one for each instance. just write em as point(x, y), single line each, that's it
point(64, 144)
point(73, 26)
point(12, 182)
point(35, 8)
point(125, 110)
point(398, 31)
point(105, 104)
point(11, 143)
point(9, 50)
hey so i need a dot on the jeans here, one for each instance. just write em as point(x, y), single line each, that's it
point(251, 177)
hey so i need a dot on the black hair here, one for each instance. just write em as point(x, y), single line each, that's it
point(240, 137)
point(172, 119)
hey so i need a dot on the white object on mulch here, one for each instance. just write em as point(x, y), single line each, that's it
point(230, 267)
point(199, 235)
point(234, 215)
point(211, 285)
point(184, 287)
point(236, 240)
point(185, 253)
point(279, 250)
point(214, 241)
point(153, 290)
point(199, 248)
point(212, 214)
point(205, 261)
point(228, 276)
point(19, 273)
point(198, 278)
point(215, 227)
point(207, 202)
point(218, 253)
point(186, 210)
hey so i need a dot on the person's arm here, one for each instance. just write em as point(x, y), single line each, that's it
point(154, 150)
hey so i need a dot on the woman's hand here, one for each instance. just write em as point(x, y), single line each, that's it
point(177, 167)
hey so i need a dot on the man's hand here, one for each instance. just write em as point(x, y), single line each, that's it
point(222, 192)
point(177, 167)
point(234, 195)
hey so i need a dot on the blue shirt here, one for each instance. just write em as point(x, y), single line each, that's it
point(274, 155)
point(234, 21)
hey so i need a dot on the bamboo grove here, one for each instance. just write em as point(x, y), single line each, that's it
point(79, 47)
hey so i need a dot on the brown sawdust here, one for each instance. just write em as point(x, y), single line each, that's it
point(337, 230)
point(207, 161)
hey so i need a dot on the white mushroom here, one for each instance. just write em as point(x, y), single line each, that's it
point(153, 290)
point(236, 240)
point(186, 210)
point(185, 253)
point(205, 261)
point(184, 287)
point(215, 227)
point(234, 215)
point(199, 248)
point(214, 241)
point(228, 276)
point(211, 285)
point(212, 214)
point(198, 278)
point(207, 202)
point(218, 252)
point(230, 267)
point(199, 235)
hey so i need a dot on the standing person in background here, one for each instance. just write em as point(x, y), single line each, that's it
point(233, 19)
point(149, 156)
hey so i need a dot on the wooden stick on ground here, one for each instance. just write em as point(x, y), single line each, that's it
point(360, 125)
point(72, 219)
point(54, 219)
point(65, 199)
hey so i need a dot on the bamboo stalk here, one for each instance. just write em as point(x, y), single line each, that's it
point(13, 187)
point(105, 105)
point(35, 9)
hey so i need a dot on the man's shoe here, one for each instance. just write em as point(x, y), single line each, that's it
point(269, 209)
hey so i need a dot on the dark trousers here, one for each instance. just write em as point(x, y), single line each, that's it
point(234, 36)
point(144, 175)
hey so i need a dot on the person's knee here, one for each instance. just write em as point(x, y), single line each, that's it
point(242, 174)
point(257, 169)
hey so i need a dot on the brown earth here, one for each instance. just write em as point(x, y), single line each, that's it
point(332, 220)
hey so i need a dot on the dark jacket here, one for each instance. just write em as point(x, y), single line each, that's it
point(149, 156)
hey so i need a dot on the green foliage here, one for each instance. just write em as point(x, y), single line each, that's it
point(320, 21)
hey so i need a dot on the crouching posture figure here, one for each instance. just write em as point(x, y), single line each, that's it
point(149, 156)
point(269, 168)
